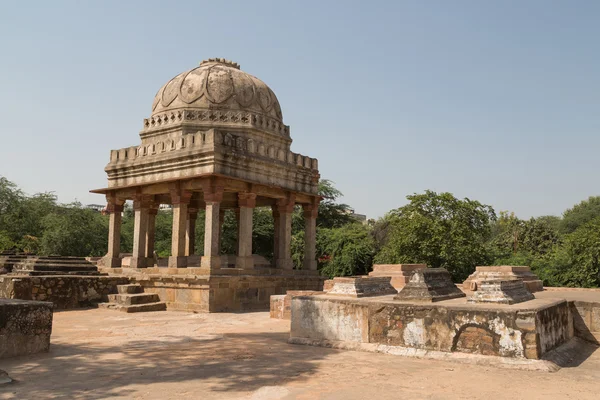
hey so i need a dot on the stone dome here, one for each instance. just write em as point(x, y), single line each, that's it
point(217, 84)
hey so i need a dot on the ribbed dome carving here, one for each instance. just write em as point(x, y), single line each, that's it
point(217, 84)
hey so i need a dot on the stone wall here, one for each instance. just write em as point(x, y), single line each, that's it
point(66, 292)
point(25, 327)
point(586, 320)
point(222, 293)
point(506, 331)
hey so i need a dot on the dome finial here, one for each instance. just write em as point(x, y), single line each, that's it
point(223, 61)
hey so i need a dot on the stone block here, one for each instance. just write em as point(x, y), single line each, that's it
point(400, 273)
point(503, 272)
point(429, 285)
point(362, 286)
point(501, 292)
point(277, 304)
point(25, 327)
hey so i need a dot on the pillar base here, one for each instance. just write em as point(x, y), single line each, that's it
point(284, 263)
point(244, 262)
point(309, 265)
point(111, 262)
point(177, 262)
point(139, 262)
point(210, 262)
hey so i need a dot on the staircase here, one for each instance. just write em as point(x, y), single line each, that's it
point(51, 265)
point(131, 298)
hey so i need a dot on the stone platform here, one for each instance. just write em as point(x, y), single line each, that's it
point(400, 273)
point(48, 265)
point(281, 304)
point(25, 327)
point(524, 331)
point(358, 286)
point(65, 291)
point(501, 292)
point(219, 290)
point(503, 272)
point(429, 285)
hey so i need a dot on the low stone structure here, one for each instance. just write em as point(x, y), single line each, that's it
point(65, 291)
point(53, 265)
point(586, 320)
point(25, 327)
point(501, 292)
point(503, 272)
point(358, 286)
point(400, 273)
point(429, 285)
point(131, 298)
point(281, 305)
point(453, 326)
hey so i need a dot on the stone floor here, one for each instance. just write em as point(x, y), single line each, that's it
point(98, 354)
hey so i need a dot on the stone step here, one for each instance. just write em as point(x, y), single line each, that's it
point(46, 273)
point(158, 306)
point(56, 267)
point(131, 299)
point(129, 289)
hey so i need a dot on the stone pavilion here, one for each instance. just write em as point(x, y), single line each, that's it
point(215, 140)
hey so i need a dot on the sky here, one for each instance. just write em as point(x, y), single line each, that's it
point(497, 101)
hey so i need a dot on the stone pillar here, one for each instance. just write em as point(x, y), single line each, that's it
point(141, 207)
point(275, 235)
point(114, 208)
point(246, 202)
point(190, 232)
point(285, 207)
point(310, 236)
point(150, 234)
point(213, 195)
point(180, 199)
point(221, 220)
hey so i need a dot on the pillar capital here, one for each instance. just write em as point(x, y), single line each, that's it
point(311, 210)
point(192, 213)
point(246, 199)
point(114, 204)
point(180, 196)
point(142, 201)
point(286, 205)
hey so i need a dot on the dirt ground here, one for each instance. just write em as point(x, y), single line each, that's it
point(99, 354)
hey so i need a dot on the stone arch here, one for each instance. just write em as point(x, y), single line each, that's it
point(476, 339)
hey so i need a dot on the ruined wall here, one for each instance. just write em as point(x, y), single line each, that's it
point(25, 327)
point(66, 292)
point(586, 320)
point(498, 331)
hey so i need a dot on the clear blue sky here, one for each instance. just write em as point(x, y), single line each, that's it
point(497, 101)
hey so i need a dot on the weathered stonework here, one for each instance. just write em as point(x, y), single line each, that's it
point(503, 272)
point(358, 286)
point(25, 327)
point(281, 305)
point(526, 332)
point(400, 273)
point(66, 292)
point(429, 285)
point(586, 320)
point(222, 290)
point(501, 292)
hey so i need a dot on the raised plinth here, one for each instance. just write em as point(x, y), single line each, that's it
point(501, 292)
point(358, 286)
point(53, 265)
point(504, 273)
point(400, 273)
point(25, 327)
point(430, 285)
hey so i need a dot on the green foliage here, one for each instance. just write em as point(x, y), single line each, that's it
point(441, 231)
point(6, 242)
point(331, 213)
point(580, 214)
point(74, 231)
point(345, 251)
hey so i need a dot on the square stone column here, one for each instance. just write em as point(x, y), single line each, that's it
point(180, 200)
point(246, 202)
point(141, 207)
point(285, 207)
point(114, 207)
point(151, 234)
point(310, 235)
point(213, 195)
point(190, 232)
point(275, 234)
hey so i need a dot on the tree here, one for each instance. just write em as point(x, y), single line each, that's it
point(441, 231)
point(580, 214)
point(345, 251)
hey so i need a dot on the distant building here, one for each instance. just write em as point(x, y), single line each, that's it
point(362, 218)
point(96, 207)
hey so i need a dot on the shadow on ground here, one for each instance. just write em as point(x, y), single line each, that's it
point(228, 363)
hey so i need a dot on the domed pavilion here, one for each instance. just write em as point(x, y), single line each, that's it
point(215, 140)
